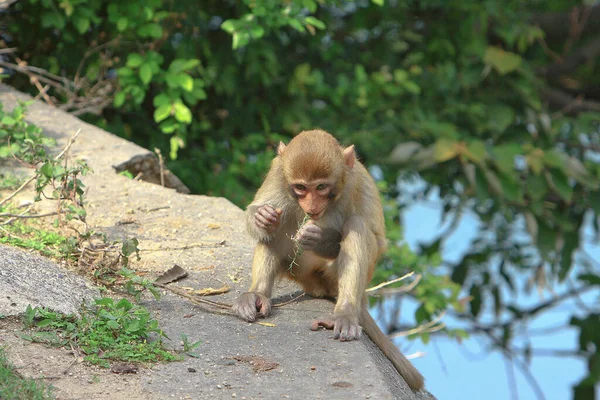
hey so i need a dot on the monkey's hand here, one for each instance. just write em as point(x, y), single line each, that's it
point(266, 217)
point(345, 326)
point(251, 305)
point(324, 242)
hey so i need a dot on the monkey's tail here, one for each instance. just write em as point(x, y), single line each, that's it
point(403, 366)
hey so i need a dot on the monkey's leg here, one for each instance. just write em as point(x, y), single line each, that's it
point(256, 302)
point(357, 256)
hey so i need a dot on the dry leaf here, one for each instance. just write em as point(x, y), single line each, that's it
point(213, 226)
point(266, 324)
point(173, 274)
point(210, 291)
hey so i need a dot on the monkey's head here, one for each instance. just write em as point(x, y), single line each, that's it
point(315, 167)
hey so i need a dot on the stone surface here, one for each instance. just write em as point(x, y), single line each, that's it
point(205, 236)
point(30, 279)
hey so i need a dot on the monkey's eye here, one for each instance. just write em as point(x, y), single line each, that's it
point(300, 188)
point(322, 186)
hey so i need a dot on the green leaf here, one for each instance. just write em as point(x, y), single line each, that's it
point(229, 26)
point(162, 112)
point(43, 323)
point(497, 301)
point(169, 126)
point(554, 159)
point(594, 201)
point(182, 113)
point(571, 242)
point(460, 274)
point(134, 60)
point(504, 156)
point(380, 3)
point(105, 301)
point(476, 151)
point(120, 98)
point(175, 143)
point(591, 279)
point(502, 61)
point(476, 300)
point(240, 40)
point(81, 24)
point(400, 75)
point(294, 23)
point(537, 186)
point(181, 65)
point(113, 324)
point(8, 120)
point(161, 99)
point(444, 150)
point(256, 32)
point(500, 117)
point(130, 246)
point(146, 73)
point(546, 239)
point(122, 24)
point(562, 186)
point(185, 81)
point(47, 170)
point(411, 87)
point(535, 163)
point(310, 20)
point(512, 190)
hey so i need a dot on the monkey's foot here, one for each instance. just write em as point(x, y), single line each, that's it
point(251, 305)
point(345, 327)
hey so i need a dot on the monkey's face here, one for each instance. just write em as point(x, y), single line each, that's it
point(313, 197)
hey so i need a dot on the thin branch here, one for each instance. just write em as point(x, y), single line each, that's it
point(397, 290)
point(375, 288)
point(21, 216)
point(431, 326)
point(568, 104)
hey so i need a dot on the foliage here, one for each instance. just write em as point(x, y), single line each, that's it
point(15, 387)
point(32, 236)
point(492, 104)
point(189, 347)
point(26, 144)
point(20, 139)
point(108, 330)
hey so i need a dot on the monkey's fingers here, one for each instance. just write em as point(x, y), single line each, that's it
point(347, 331)
point(322, 323)
point(250, 305)
point(261, 221)
point(269, 212)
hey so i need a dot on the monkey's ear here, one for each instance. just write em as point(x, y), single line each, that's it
point(280, 148)
point(349, 156)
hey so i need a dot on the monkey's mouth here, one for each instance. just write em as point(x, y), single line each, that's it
point(316, 216)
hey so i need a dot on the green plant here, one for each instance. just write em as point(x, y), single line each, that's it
point(15, 387)
point(33, 236)
point(136, 285)
point(188, 347)
point(108, 330)
point(20, 139)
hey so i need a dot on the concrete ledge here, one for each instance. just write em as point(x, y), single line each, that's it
point(205, 235)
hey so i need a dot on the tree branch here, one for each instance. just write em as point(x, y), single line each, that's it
point(557, 25)
point(582, 55)
point(567, 104)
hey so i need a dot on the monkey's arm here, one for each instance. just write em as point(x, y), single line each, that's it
point(262, 221)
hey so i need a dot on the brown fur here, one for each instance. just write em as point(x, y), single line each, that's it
point(355, 211)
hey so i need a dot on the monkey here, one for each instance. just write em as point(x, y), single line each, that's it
point(315, 177)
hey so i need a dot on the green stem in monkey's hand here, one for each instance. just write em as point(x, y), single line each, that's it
point(297, 247)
